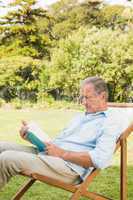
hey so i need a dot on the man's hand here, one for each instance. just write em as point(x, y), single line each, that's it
point(23, 130)
point(53, 150)
point(79, 158)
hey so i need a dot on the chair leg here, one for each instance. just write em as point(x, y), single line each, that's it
point(76, 195)
point(95, 196)
point(123, 171)
point(90, 195)
point(23, 189)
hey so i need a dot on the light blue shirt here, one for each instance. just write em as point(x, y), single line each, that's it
point(95, 133)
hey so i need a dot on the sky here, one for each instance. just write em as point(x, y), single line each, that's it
point(44, 3)
point(120, 2)
point(41, 3)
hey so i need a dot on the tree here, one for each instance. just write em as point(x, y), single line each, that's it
point(19, 77)
point(70, 15)
point(20, 30)
point(90, 52)
point(115, 17)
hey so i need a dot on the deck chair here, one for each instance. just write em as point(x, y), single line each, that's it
point(82, 188)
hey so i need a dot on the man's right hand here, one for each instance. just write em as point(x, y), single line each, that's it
point(23, 130)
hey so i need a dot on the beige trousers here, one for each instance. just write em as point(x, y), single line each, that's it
point(15, 158)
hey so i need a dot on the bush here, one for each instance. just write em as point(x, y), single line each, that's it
point(17, 103)
point(19, 77)
point(89, 52)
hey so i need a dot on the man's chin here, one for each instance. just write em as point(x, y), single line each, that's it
point(88, 110)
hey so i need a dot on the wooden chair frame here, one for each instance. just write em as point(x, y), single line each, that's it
point(81, 189)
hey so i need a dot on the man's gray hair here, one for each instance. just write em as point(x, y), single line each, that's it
point(98, 83)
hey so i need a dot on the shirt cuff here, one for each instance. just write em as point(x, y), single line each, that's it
point(97, 161)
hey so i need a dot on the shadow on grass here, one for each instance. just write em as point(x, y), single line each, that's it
point(107, 183)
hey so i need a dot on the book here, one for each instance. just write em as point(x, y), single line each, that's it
point(36, 136)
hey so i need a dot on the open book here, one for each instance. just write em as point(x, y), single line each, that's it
point(36, 136)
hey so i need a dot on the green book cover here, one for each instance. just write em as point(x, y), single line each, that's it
point(31, 137)
point(36, 136)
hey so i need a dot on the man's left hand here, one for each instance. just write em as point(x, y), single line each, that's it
point(53, 150)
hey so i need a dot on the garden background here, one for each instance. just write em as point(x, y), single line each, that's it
point(44, 54)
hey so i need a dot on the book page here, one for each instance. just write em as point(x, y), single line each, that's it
point(34, 128)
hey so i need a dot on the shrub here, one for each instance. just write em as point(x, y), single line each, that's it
point(90, 52)
point(19, 77)
point(17, 103)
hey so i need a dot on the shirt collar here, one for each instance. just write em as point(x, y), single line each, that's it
point(105, 112)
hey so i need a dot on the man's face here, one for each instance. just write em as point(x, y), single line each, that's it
point(92, 101)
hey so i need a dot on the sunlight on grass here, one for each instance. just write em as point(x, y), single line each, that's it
point(52, 121)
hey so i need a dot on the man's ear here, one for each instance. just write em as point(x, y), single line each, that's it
point(103, 95)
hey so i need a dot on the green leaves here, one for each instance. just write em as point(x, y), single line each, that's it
point(52, 50)
point(22, 25)
point(89, 52)
point(19, 77)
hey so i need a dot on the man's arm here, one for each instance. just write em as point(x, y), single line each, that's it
point(80, 158)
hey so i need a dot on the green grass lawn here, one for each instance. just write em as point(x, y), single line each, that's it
point(52, 121)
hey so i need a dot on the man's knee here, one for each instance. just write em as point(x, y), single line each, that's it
point(9, 160)
point(6, 146)
point(3, 146)
point(12, 146)
point(7, 156)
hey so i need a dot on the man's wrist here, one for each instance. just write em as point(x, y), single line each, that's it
point(65, 155)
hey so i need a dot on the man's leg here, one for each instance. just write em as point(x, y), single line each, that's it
point(6, 146)
point(15, 162)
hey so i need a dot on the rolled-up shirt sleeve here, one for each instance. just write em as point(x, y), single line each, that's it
point(101, 155)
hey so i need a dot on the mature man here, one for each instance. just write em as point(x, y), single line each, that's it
point(88, 142)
